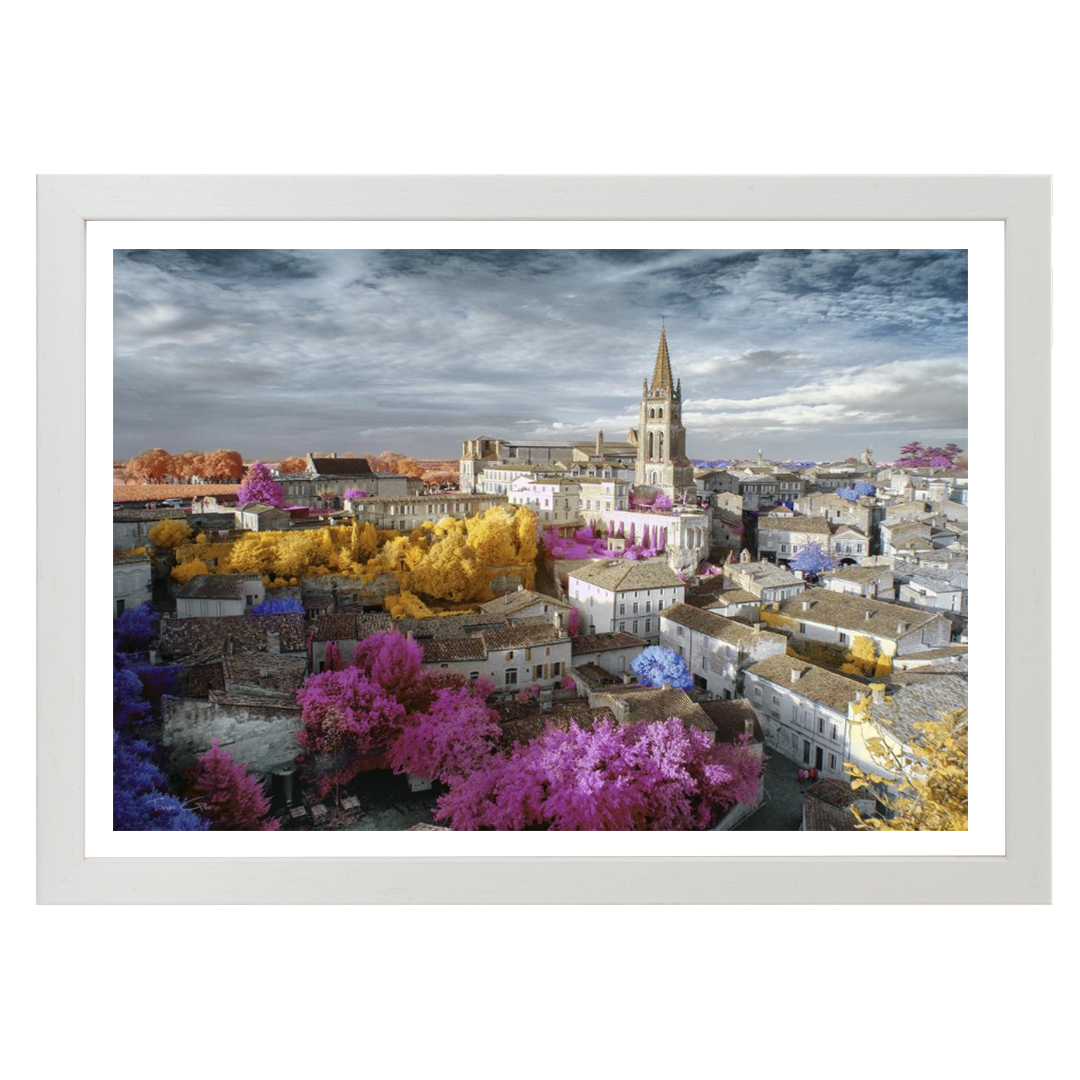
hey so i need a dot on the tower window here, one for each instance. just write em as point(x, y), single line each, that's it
point(660, 414)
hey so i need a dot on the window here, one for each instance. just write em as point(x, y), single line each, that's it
point(622, 626)
point(635, 607)
point(832, 761)
point(474, 674)
point(556, 668)
point(622, 609)
point(511, 676)
point(635, 626)
point(821, 725)
point(806, 752)
point(538, 671)
point(833, 734)
point(680, 631)
point(802, 628)
point(648, 606)
point(845, 639)
point(648, 625)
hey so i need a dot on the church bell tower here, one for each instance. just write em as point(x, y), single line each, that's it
point(662, 463)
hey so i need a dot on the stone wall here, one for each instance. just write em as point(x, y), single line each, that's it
point(260, 736)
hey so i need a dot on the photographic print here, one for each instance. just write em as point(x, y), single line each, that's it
point(540, 539)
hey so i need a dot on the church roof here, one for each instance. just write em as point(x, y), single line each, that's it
point(661, 379)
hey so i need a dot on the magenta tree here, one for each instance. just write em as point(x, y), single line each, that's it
point(661, 775)
point(228, 796)
point(259, 488)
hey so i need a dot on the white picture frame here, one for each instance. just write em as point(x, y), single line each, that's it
point(66, 876)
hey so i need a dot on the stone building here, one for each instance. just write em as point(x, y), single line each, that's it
point(252, 712)
point(716, 649)
point(219, 594)
point(662, 464)
point(408, 512)
point(324, 481)
point(132, 582)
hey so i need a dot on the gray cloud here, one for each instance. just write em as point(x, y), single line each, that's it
point(807, 353)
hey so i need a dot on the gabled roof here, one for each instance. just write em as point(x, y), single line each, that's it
point(815, 683)
point(622, 575)
point(326, 466)
point(217, 587)
point(586, 644)
point(519, 600)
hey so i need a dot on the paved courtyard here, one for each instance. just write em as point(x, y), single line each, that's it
point(782, 802)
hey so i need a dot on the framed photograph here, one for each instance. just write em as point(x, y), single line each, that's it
point(544, 539)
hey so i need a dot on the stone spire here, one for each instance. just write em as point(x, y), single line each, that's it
point(661, 379)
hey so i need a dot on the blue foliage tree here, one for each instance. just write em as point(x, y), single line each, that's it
point(856, 492)
point(276, 606)
point(811, 560)
point(134, 629)
point(656, 665)
point(139, 801)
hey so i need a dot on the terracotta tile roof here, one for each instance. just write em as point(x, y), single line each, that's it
point(120, 558)
point(523, 635)
point(523, 723)
point(584, 644)
point(448, 626)
point(447, 650)
point(516, 601)
point(736, 596)
point(850, 612)
point(647, 703)
point(348, 625)
point(217, 587)
point(733, 719)
point(814, 683)
point(185, 637)
point(715, 626)
point(622, 575)
point(858, 573)
point(797, 523)
point(827, 807)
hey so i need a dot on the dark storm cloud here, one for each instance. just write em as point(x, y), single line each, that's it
point(811, 353)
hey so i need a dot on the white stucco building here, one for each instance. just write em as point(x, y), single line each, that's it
point(624, 595)
point(132, 582)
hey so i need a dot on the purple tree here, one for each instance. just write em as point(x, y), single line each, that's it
point(355, 493)
point(259, 488)
point(811, 560)
point(661, 502)
point(134, 629)
point(656, 665)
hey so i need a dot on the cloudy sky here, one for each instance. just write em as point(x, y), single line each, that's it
point(805, 353)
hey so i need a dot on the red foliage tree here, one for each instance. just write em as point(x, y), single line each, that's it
point(228, 796)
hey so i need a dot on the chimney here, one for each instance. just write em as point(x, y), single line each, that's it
point(627, 678)
point(806, 605)
point(559, 623)
point(877, 692)
point(520, 588)
point(665, 686)
point(748, 724)
point(902, 627)
point(867, 616)
point(273, 641)
point(409, 635)
point(796, 674)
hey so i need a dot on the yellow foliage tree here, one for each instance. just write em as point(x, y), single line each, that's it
point(363, 541)
point(170, 533)
point(451, 571)
point(491, 536)
point(862, 657)
point(932, 795)
point(187, 570)
point(407, 605)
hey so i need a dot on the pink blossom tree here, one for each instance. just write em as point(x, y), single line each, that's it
point(574, 624)
point(452, 738)
point(228, 796)
point(661, 775)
